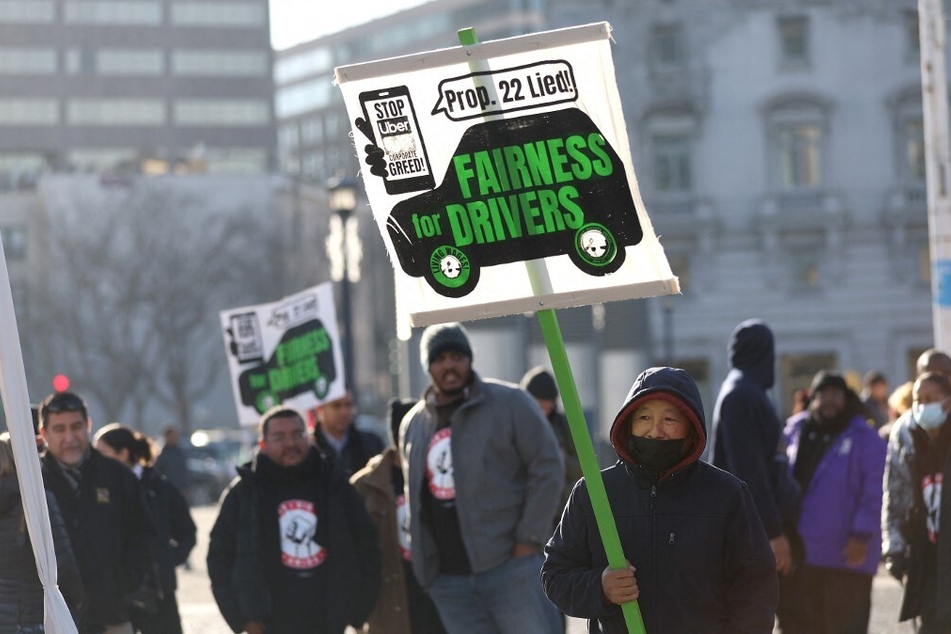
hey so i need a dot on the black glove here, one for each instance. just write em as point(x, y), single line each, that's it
point(896, 565)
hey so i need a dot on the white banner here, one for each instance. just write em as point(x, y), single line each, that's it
point(286, 352)
point(501, 179)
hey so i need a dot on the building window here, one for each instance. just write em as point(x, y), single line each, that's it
point(100, 159)
point(21, 162)
point(301, 65)
point(332, 125)
point(306, 96)
point(222, 112)
point(672, 171)
point(797, 129)
point(218, 14)
point(794, 40)
point(80, 61)
point(114, 12)
point(14, 242)
point(237, 160)
point(311, 131)
point(220, 63)
point(667, 47)
point(287, 137)
point(27, 61)
point(130, 62)
point(909, 138)
point(27, 11)
point(804, 267)
point(29, 112)
point(913, 155)
point(799, 154)
point(912, 35)
point(116, 112)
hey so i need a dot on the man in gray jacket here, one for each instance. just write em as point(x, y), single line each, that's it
point(483, 475)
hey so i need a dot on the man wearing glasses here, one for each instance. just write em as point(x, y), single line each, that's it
point(104, 513)
point(293, 549)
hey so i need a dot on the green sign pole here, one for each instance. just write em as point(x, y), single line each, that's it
point(576, 423)
point(589, 464)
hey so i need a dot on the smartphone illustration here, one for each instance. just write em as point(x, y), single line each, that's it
point(391, 114)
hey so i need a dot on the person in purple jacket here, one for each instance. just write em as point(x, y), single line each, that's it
point(839, 462)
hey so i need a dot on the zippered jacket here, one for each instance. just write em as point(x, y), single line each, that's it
point(844, 496)
point(507, 469)
point(703, 562)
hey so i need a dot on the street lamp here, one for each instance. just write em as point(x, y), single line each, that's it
point(344, 251)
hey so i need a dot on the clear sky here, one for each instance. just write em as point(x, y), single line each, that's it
point(295, 21)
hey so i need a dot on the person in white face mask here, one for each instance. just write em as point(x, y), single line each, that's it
point(916, 504)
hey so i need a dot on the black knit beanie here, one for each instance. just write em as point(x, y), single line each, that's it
point(824, 379)
point(540, 383)
point(441, 338)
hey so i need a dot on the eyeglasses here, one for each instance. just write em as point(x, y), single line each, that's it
point(283, 439)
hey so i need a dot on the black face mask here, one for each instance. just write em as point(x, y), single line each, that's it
point(656, 456)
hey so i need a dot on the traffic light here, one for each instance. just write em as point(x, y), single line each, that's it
point(60, 383)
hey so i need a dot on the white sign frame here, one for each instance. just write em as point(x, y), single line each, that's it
point(418, 111)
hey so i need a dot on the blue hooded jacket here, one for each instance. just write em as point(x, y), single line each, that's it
point(703, 563)
point(748, 435)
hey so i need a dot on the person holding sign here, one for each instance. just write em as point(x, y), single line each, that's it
point(483, 475)
point(698, 556)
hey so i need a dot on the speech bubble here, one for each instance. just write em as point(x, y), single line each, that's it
point(494, 92)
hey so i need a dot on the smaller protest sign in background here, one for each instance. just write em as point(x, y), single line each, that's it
point(285, 352)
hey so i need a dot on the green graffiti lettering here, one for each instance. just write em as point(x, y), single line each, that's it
point(427, 226)
point(481, 227)
point(286, 379)
point(602, 164)
point(536, 155)
point(321, 341)
point(485, 171)
point(507, 208)
point(499, 161)
point(581, 164)
point(464, 173)
point(573, 215)
point(526, 202)
point(536, 164)
point(531, 212)
point(257, 381)
point(559, 161)
point(550, 214)
point(459, 224)
point(515, 165)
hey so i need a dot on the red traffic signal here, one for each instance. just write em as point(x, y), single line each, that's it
point(60, 383)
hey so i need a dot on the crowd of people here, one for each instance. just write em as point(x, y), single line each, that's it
point(473, 517)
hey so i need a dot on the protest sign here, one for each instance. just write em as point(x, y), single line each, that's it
point(480, 159)
point(285, 352)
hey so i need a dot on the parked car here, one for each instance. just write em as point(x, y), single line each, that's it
point(213, 455)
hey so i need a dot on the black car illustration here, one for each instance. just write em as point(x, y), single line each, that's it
point(515, 190)
point(302, 361)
